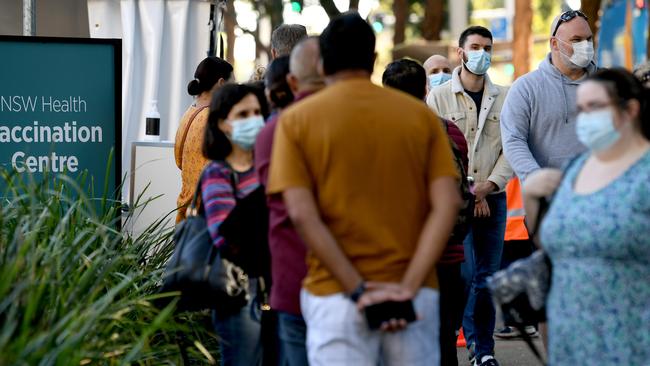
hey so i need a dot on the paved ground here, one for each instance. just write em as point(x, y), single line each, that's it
point(509, 353)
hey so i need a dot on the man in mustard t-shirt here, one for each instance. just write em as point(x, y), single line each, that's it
point(368, 179)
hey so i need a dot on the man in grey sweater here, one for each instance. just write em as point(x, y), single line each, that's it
point(538, 116)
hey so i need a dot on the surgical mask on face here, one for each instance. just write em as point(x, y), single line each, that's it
point(583, 53)
point(245, 131)
point(596, 129)
point(438, 79)
point(478, 61)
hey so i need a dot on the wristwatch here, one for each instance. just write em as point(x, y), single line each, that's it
point(358, 291)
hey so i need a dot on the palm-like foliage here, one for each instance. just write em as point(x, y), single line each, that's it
point(77, 290)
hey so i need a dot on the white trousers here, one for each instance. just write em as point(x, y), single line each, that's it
point(338, 334)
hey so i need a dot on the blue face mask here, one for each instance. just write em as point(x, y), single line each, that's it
point(245, 131)
point(596, 129)
point(478, 62)
point(438, 79)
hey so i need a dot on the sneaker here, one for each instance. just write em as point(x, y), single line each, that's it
point(512, 332)
point(531, 331)
point(486, 361)
point(509, 332)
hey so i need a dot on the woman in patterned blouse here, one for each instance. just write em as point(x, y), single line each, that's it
point(211, 73)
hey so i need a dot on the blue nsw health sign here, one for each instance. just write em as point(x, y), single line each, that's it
point(60, 108)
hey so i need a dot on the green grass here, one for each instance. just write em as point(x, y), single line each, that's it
point(76, 290)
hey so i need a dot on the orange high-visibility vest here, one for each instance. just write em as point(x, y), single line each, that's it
point(515, 227)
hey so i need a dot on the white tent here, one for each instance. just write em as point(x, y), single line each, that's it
point(162, 43)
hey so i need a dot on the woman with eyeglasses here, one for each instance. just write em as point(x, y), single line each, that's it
point(597, 229)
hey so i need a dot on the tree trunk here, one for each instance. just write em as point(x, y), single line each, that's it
point(330, 8)
point(401, 12)
point(591, 9)
point(274, 9)
point(354, 4)
point(229, 22)
point(522, 37)
point(433, 18)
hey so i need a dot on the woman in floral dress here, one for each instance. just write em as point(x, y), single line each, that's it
point(597, 229)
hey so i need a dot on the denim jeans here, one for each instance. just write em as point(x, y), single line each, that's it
point(483, 250)
point(240, 334)
point(292, 332)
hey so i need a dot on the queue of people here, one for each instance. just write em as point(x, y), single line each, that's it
point(369, 218)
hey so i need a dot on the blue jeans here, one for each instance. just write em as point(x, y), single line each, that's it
point(240, 334)
point(292, 332)
point(483, 249)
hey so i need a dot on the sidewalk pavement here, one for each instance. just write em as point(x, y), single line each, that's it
point(509, 353)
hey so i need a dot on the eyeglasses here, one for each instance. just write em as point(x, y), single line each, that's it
point(595, 106)
point(566, 16)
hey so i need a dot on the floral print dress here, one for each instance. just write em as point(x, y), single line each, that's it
point(599, 244)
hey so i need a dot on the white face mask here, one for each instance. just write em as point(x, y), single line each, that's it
point(596, 129)
point(583, 53)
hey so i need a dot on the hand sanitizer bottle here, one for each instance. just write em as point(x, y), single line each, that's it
point(152, 128)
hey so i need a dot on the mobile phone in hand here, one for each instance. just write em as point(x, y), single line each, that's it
point(377, 314)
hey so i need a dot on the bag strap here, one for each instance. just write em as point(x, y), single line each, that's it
point(544, 204)
point(187, 129)
point(233, 178)
point(195, 205)
point(529, 341)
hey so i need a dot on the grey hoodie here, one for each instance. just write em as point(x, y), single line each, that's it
point(538, 120)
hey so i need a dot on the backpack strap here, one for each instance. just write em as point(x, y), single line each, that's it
point(187, 129)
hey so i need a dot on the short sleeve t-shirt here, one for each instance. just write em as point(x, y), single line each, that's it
point(369, 155)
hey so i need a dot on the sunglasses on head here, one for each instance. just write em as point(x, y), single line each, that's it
point(566, 16)
point(645, 77)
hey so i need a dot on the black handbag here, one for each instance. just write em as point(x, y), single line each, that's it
point(199, 271)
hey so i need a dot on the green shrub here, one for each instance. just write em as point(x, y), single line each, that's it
point(76, 290)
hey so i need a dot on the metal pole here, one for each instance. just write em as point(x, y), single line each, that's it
point(29, 17)
point(213, 31)
point(218, 19)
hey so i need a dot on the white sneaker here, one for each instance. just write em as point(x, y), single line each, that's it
point(487, 361)
point(531, 331)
